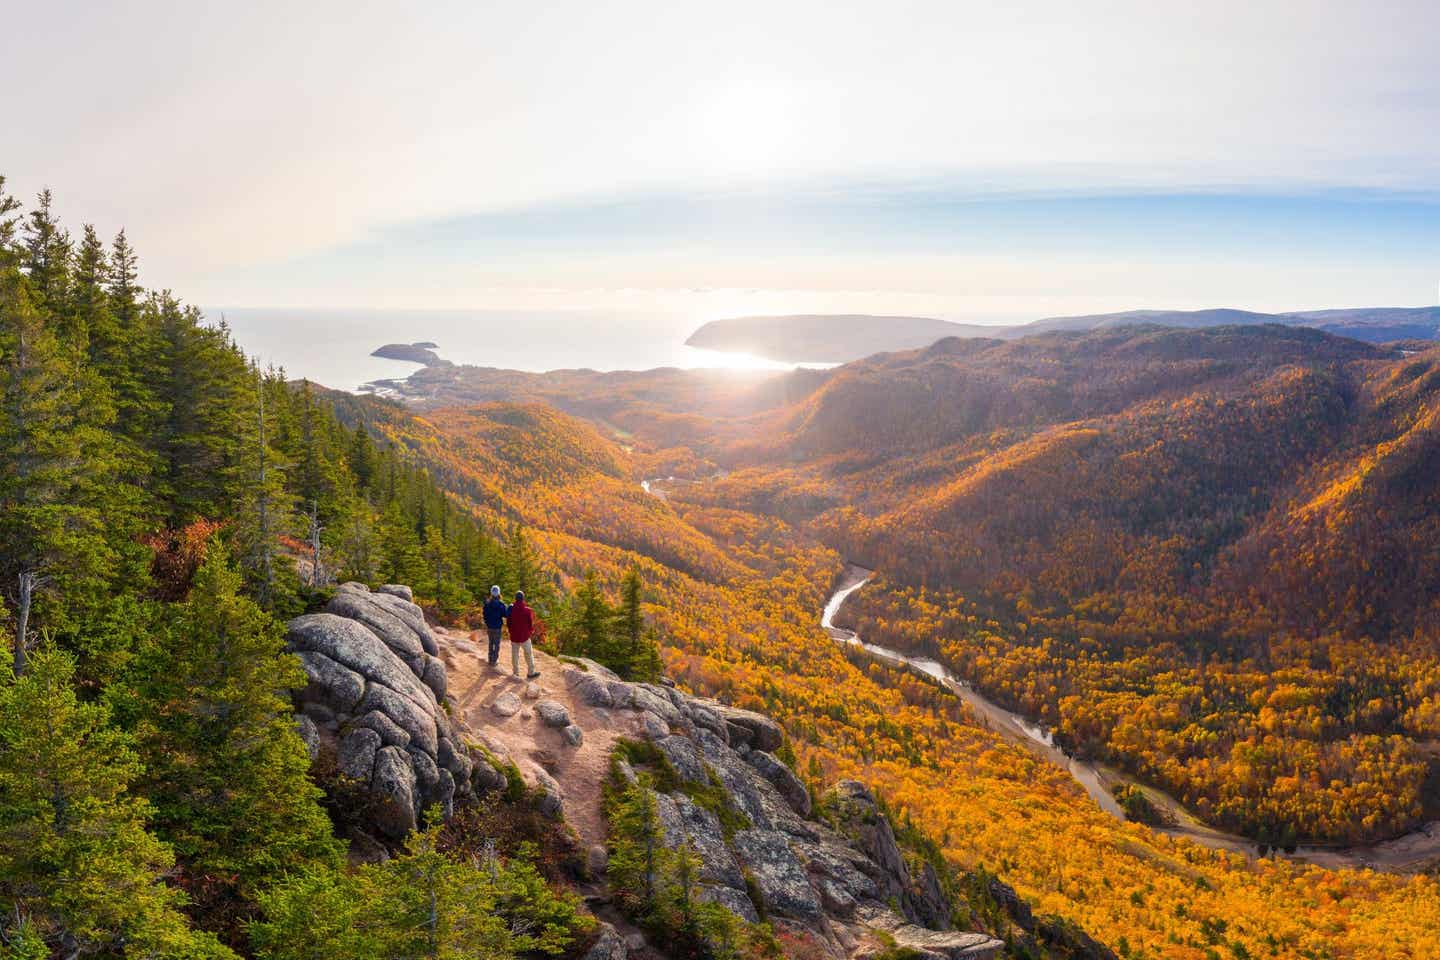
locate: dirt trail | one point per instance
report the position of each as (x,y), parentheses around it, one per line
(580,771)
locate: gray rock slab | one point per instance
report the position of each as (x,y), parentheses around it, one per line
(778,872)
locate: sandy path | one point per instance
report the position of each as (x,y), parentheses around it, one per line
(523,737)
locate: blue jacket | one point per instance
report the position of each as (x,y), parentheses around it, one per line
(495,613)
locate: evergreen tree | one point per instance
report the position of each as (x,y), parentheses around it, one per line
(125,346)
(9,222)
(589,628)
(47,257)
(353,544)
(635,843)
(640,652)
(266,508)
(426,903)
(124,286)
(362,457)
(523,569)
(225,767)
(210,407)
(402,560)
(78,870)
(87,314)
(53,454)
(442,562)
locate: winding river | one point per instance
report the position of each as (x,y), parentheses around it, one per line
(1411,852)
(1417,850)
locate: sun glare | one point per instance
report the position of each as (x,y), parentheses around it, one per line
(745,126)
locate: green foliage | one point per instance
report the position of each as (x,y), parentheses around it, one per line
(127,414)
(54,453)
(424,903)
(78,869)
(615,637)
(658,884)
(1138,806)
(224,765)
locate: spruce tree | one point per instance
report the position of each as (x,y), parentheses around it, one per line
(124,288)
(54,455)
(442,564)
(78,869)
(9,223)
(640,653)
(124,345)
(589,630)
(209,406)
(524,570)
(635,843)
(225,767)
(402,560)
(266,507)
(87,314)
(362,457)
(47,256)
(353,543)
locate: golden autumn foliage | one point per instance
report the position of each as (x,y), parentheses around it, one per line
(738,569)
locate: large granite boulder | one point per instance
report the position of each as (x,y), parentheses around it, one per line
(749,728)
(375,692)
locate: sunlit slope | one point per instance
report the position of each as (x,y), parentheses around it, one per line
(533,465)
(911,403)
(1260,471)
(753,638)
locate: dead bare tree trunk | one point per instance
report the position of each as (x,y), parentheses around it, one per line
(317,572)
(28,580)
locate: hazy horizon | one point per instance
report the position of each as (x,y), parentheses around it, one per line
(971,163)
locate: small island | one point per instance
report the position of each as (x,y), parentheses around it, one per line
(422,353)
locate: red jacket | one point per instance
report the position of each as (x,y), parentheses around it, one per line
(522,624)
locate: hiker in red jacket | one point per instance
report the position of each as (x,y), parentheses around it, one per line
(522,623)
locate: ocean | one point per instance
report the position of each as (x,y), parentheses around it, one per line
(332,347)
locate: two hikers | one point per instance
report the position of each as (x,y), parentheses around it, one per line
(521,620)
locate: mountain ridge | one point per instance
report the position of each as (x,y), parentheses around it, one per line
(825,338)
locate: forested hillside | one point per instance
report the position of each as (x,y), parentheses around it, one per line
(164,505)
(753,640)
(1207,555)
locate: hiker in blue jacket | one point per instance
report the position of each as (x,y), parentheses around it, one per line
(496,610)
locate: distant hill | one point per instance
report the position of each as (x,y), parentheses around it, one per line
(1371,324)
(839,338)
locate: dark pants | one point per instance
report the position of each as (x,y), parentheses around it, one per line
(494,633)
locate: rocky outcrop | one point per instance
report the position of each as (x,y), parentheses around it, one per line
(938,944)
(845,882)
(374,698)
(375,703)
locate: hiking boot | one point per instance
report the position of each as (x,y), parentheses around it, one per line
(533,675)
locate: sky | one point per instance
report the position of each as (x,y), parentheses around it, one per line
(969,160)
